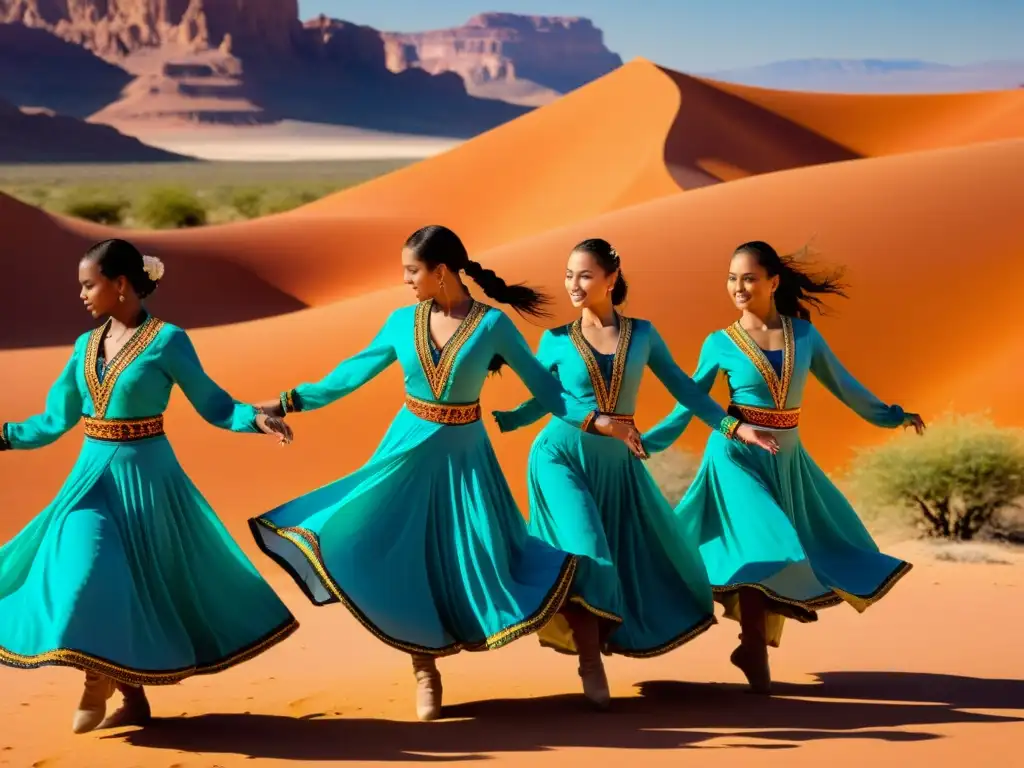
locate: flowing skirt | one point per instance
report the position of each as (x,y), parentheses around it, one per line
(129,573)
(777,524)
(638,571)
(424,544)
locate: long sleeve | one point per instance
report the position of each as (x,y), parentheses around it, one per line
(667,431)
(531,410)
(548,391)
(63,410)
(833,375)
(346,378)
(210,401)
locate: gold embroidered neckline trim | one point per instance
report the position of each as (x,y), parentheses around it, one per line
(778,386)
(437,375)
(607,395)
(100,391)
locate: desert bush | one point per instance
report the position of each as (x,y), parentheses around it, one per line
(954,481)
(100,207)
(248,202)
(172,208)
(290,200)
(673,470)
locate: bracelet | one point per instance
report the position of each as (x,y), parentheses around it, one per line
(729,426)
(288,404)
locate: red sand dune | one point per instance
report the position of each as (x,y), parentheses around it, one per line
(929,235)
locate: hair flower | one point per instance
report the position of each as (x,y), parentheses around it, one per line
(154,268)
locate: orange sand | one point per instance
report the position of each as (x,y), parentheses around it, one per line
(925,216)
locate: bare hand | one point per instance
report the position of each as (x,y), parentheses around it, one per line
(751,436)
(274,425)
(914,420)
(630,435)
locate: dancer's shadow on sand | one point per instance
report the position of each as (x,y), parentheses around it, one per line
(667,715)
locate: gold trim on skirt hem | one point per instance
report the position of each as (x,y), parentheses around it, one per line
(308,544)
(67,657)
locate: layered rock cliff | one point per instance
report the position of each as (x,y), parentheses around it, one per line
(504,53)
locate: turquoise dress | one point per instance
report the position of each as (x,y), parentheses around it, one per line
(128,572)
(425,544)
(591,496)
(777,523)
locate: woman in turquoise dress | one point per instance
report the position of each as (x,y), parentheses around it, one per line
(425,544)
(778,538)
(128,575)
(641,589)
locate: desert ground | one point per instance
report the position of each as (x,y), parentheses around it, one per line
(917,196)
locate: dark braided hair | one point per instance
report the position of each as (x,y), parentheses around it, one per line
(608,259)
(797,286)
(435,244)
(119,258)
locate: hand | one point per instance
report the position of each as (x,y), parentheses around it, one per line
(274,425)
(630,435)
(747,434)
(914,420)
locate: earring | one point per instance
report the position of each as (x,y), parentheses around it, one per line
(121,298)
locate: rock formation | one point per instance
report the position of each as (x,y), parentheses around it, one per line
(508,55)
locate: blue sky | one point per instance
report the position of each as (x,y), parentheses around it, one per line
(705,35)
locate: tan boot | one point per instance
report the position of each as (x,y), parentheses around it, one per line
(586,633)
(428,687)
(134,711)
(93,705)
(751,656)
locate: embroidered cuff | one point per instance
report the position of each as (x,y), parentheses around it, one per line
(588,423)
(729,426)
(290,402)
(5,444)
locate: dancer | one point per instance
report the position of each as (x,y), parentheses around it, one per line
(641,589)
(128,575)
(778,538)
(425,544)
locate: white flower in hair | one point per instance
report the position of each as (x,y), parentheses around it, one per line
(154,268)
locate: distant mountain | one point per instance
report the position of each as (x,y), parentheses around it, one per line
(877,76)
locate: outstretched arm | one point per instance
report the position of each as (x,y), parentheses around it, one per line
(529,411)
(346,378)
(63,410)
(668,430)
(690,395)
(827,369)
(211,402)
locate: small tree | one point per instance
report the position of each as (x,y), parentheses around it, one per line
(172,208)
(954,480)
(673,470)
(100,207)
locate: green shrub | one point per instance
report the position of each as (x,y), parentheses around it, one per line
(100,207)
(248,202)
(954,481)
(289,201)
(172,208)
(673,470)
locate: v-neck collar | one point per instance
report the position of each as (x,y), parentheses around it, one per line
(777,385)
(437,374)
(607,394)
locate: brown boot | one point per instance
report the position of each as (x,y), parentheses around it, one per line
(751,656)
(134,711)
(428,687)
(93,705)
(586,633)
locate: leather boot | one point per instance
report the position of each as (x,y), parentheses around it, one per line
(134,711)
(428,687)
(93,705)
(586,633)
(751,655)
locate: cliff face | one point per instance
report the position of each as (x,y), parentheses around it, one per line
(556,53)
(116,28)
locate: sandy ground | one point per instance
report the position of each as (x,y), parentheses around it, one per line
(917,196)
(932,675)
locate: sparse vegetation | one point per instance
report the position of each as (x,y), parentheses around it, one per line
(101,207)
(172,208)
(673,470)
(124,194)
(955,482)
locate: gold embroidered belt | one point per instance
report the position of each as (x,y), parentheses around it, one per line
(624,418)
(124,430)
(769,418)
(452,414)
